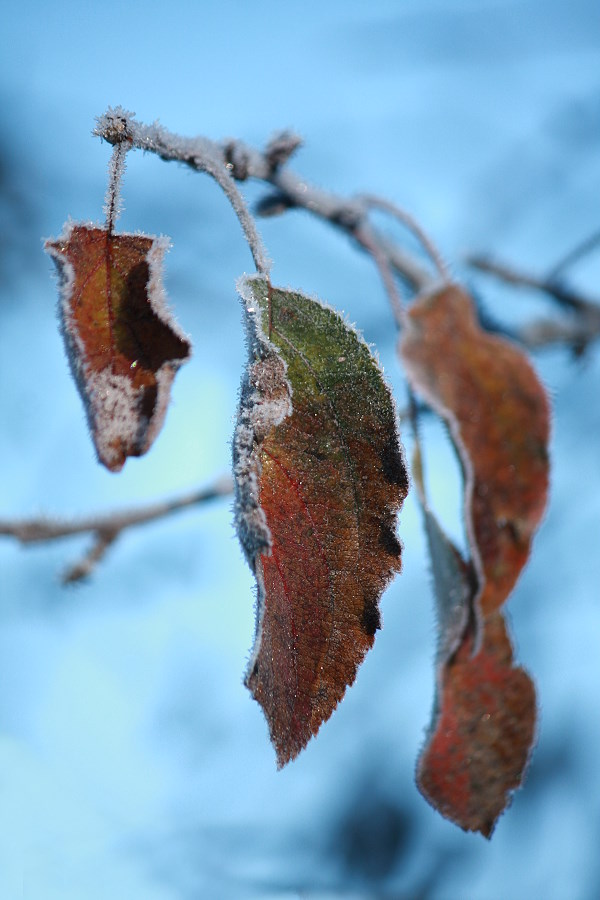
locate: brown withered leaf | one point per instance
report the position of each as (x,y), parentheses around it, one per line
(123,344)
(498,416)
(319,478)
(482,733)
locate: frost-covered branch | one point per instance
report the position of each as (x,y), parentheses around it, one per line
(239,161)
(235,160)
(117,126)
(106,528)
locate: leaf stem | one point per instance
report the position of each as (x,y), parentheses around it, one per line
(381,260)
(373,201)
(113,205)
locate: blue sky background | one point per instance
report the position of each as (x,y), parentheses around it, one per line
(133,763)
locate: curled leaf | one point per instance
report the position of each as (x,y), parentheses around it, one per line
(482,734)
(123,344)
(453,586)
(483,722)
(319,479)
(498,416)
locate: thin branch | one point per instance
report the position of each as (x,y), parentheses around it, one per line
(118,126)
(373,201)
(577,334)
(31,531)
(84,567)
(344,214)
(232,161)
(239,161)
(563,295)
(578,252)
(417,459)
(577,331)
(107,528)
(380,258)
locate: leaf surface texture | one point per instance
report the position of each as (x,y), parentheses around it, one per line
(320,478)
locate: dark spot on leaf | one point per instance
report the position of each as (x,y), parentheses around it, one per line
(392,464)
(324,498)
(389,541)
(371,617)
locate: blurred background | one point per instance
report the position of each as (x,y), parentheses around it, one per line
(133,763)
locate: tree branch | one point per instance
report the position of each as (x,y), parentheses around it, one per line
(106,528)
(578,252)
(240,161)
(580,329)
(372,201)
(117,126)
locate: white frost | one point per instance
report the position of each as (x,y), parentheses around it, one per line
(265,401)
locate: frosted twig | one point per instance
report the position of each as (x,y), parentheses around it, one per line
(417,459)
(108,527)
(198,153)
(577,333)
(373,201)
(232,161)
(113,204)
(84,567)
(239,161)
(381,260)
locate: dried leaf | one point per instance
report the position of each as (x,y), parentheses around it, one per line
(320,477)
(498,416)
(123,345)
(482,734)
(483,723)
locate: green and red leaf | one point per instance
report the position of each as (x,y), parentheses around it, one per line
(320,478)
(123,344)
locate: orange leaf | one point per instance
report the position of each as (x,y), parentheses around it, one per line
(498,416)
(320,478)
(123,344)
(483,731)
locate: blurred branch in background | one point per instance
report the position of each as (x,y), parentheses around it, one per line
(107,528)
(582,325)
